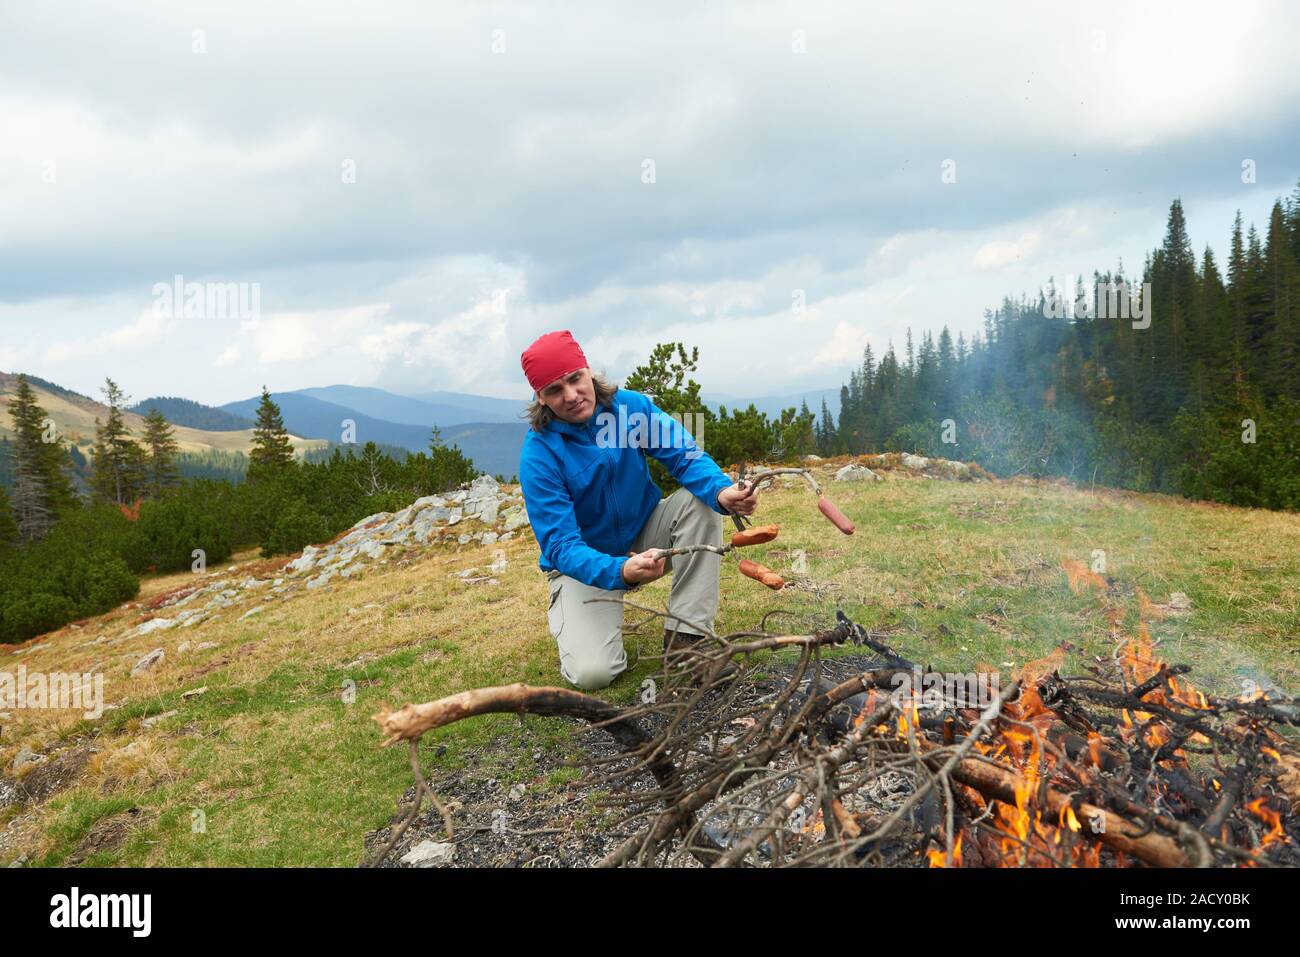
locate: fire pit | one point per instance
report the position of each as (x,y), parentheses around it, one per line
(870,759)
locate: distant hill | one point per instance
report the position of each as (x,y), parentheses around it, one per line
(436,408)
(193,414)
(772,405)
(74,416)
(494,446)
(506,409)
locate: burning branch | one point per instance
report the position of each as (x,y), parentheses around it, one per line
(827,763)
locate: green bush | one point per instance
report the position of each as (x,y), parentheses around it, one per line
(46,585)
(169,530)
(297,527)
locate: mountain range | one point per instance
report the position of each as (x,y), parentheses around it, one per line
(489,430)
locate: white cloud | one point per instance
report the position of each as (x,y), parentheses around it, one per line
(469,232)
(999,253)
(147,332)
(303,336)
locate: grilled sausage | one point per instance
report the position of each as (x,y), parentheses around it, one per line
(761,573)
(758,535)
(838,518)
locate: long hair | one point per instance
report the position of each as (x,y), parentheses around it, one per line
(540,416)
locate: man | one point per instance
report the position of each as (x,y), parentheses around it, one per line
(591,503)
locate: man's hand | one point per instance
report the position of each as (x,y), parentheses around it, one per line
(644,568)
(738,500)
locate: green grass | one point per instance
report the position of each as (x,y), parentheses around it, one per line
(284,771)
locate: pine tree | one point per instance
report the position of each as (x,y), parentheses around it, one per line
(1280,290)
(30,501)
(117,475)
(39,449)
(272,454)
(8,525)
(826,432)
(160,439)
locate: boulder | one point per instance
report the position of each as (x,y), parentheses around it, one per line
(322,579)
(856,473)
(148,662)
(154,624)
(430,854)
(25,757)
(305,561)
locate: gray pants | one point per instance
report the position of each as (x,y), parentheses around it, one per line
(590,635)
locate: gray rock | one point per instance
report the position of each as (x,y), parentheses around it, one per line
(153,624)
(430,854)
(917,463)
(320,580)
(515,516)
(151,721)
(148,662)
(25,757)
(306,561)
(372,518)
(856,473)
(372,550)
(254,611)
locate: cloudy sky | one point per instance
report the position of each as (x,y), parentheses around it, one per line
(417,191)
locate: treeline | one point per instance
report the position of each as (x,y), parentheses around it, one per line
(1182,379)
(65,556)
(1194,390)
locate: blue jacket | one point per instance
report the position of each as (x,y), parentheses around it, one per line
(588,497)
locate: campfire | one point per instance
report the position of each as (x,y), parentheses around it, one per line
(869,759)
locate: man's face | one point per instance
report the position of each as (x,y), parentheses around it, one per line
(572,397)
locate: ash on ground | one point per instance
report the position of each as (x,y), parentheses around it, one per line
(545,822)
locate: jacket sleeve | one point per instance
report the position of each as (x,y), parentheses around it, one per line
(688,463)
(550,512)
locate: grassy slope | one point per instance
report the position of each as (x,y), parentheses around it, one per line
(75,419)
(288,774)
